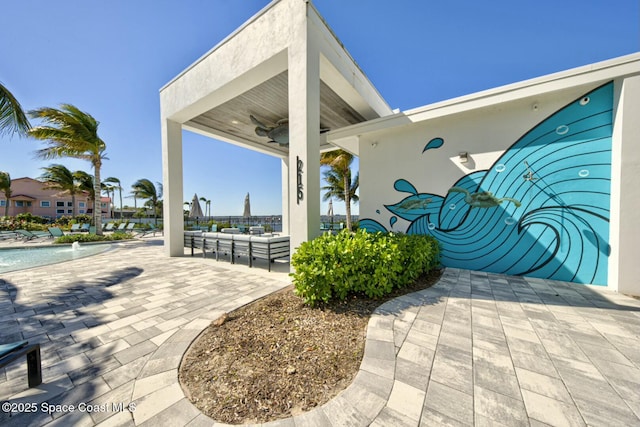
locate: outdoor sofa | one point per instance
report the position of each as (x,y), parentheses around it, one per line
(235,245)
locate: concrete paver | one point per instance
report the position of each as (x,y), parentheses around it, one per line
(475,349)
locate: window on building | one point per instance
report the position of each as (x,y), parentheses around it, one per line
(3,203)
(70,204)
(19,204)
(70,211)
(60,204)
(104,205)
(45,204)
(60,211)
(82,204)
(81,211)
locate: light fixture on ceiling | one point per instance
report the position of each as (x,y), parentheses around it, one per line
(463,157)
(374,144)
(235,122)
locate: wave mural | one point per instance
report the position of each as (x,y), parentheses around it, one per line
(541,210)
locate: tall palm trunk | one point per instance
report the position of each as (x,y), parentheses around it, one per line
(347,198)
(97,205)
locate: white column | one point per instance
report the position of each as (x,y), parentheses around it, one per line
(285,196)
(304,130)
(624,269)
(172,186)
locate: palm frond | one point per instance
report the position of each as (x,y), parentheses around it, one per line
(12,117)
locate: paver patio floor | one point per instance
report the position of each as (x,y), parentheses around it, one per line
(475,349)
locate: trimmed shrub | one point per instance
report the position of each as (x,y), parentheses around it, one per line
(70,238)
(373,264)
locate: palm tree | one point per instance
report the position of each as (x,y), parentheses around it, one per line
(144,189)
(117,186)
(208,208)
(5,187)
(204,200)
(338,178)
(12,118)
(85,183)
(72,133)
(58,177)
(110,190)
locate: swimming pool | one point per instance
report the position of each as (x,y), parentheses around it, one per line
(21,258)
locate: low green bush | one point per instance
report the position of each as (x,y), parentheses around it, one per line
(70,238)
(373,264)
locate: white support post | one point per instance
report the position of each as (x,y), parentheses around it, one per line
(172,186)
(286,196)
(304,130)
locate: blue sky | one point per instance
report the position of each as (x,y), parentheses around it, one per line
(111,58)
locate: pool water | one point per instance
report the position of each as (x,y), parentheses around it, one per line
(21,258)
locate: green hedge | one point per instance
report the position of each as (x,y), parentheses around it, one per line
(70,238)
(334,266)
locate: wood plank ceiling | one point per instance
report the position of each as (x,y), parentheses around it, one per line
(269,102)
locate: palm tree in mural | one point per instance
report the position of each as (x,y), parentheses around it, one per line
(5,187)
(338,178)
(117,186)
(58,177)
(85,184)
(144,189)
(12,117)
(69,132)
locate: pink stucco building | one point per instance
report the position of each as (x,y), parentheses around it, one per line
(29,195)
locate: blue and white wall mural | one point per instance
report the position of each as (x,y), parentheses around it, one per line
(541,210)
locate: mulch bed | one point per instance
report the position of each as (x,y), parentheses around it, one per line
(276,358)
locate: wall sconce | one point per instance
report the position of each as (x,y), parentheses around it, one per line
(463,157)
(374,144)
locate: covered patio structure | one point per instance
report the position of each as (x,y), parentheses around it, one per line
(284,63)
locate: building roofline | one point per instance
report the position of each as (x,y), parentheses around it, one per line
(583,75)
(221,43)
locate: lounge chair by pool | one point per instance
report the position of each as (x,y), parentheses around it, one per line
(151,229)
(56,232)
(121,227)
(13,351)
(30,235)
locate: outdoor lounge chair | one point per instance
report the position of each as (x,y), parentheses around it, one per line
(121,228)
(141,232)
(30,235)
(84,228)
(4,235)
(109,227)
(130,227)
(75,228)
(13,351)
(56,232)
